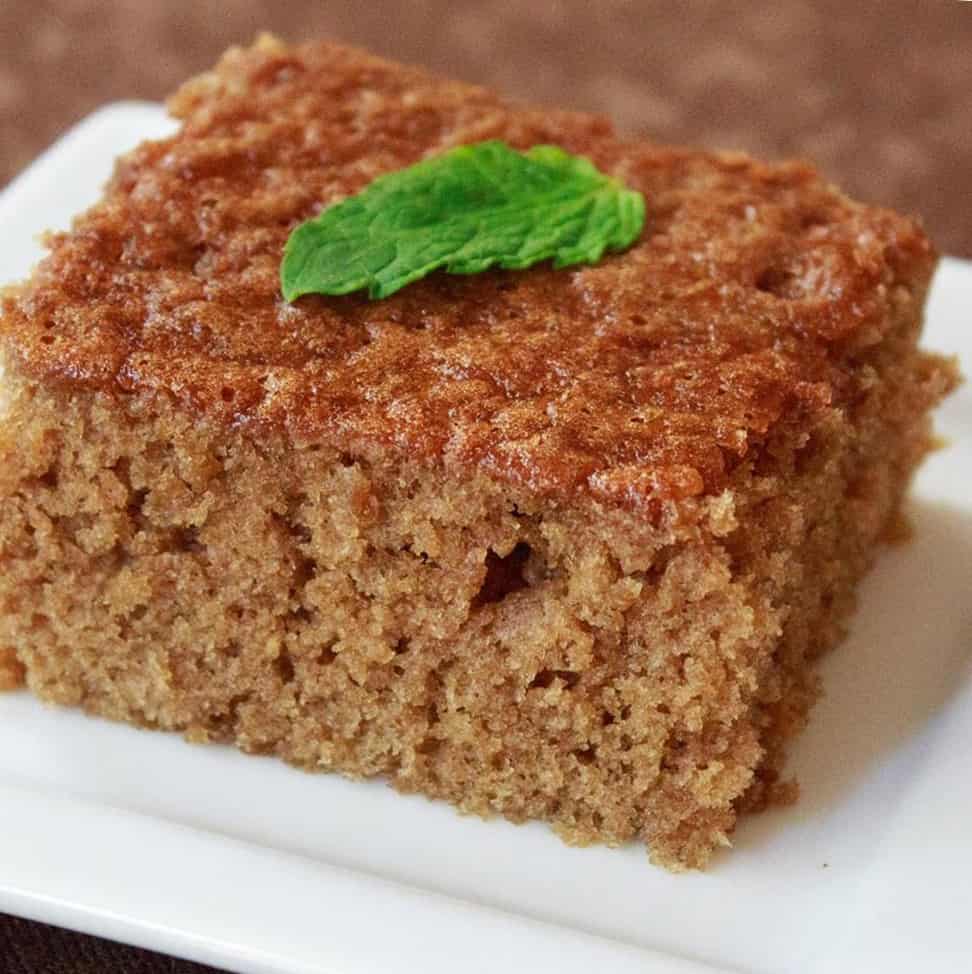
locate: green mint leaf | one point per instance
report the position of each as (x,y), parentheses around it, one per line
(474,207)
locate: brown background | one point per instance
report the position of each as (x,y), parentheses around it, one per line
(878,93)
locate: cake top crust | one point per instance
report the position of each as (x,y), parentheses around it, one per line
(746,303)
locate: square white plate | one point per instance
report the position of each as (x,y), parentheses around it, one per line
(245,863)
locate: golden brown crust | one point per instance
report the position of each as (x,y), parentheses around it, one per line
(649,376)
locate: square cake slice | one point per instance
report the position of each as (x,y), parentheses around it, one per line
(554,544)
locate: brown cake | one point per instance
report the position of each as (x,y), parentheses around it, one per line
(562,545)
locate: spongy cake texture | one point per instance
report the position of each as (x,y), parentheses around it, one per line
(559,545)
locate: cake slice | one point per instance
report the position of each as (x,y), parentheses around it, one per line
(559,545)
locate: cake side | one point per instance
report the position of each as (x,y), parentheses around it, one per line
(467,643)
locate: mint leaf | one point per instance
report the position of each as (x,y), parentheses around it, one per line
(474,207)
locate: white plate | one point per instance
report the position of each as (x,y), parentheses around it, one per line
(245,863)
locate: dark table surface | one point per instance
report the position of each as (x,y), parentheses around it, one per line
(880,95)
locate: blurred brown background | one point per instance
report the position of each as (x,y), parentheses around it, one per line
(878,94)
